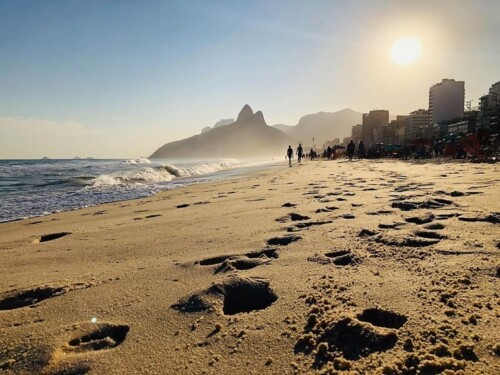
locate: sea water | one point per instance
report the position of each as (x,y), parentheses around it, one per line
(30,188)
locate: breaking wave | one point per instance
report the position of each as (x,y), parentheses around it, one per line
(138,161)
(159,174)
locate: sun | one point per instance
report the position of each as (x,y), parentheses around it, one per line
(406,50)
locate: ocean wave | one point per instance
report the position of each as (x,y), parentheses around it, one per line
(202,168)
(143,176)
(159,174)
(138,161)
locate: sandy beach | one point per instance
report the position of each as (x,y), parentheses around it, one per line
(369,267)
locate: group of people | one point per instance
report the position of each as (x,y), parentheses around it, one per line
(475,145)
(329,153)
(351,149)
(299,153)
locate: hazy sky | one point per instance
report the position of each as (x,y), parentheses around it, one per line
(121,78)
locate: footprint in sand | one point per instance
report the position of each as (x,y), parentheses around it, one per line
(283,241)
(334,193)
(226,263)
(326,209)
(234,295)
(432,203)
(422,219)
(343,258)
(324,200)
(30,297)
(347,216)
(367,233)
(391,225)
(312,192)
(493,218)
(50,237)
(382,318)
(91,337)
(430,234)
(434,226)
(292,217)
(347,336)
(338,257)
(183,205)
(152,216)
(379,212)
(406,242)
(301,226)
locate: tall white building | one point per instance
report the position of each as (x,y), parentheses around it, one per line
(446,101)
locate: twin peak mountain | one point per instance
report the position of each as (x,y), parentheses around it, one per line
(247,137)
(250,137)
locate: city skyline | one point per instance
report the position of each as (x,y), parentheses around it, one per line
(119,80)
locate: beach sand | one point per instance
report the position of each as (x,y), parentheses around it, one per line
(367,267)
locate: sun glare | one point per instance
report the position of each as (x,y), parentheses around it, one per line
(406,50)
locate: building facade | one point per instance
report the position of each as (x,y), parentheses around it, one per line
(374,121)
(446,101)
(357,133)
(395,131)
(488,117)
(416,125)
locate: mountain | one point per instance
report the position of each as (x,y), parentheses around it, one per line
(223,122)
(323,126)
(218,124)
(283,128)
(248,136)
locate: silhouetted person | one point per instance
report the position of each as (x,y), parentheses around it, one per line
(351,147)
(300,152)
(312,154)
(289,154)
(361,150)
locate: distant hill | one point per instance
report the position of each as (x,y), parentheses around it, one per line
(249,136)
(284,128)
(220,123)
(323,126)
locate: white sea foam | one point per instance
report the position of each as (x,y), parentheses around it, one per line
(138,161)
(204,168)
(159,174)
(34,187)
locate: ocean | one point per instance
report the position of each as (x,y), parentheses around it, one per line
(30,188)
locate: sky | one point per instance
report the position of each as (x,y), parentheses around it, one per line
(118,79)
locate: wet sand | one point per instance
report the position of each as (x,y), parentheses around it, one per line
(367,267)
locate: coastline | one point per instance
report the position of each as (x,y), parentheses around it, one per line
(175,178)
(380,238)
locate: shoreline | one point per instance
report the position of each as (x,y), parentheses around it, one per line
(229,173)
(267,166)
(409,257)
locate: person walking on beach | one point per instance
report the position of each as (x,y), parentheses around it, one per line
(351,147)
(361,150)
(300,152)
(289,154)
